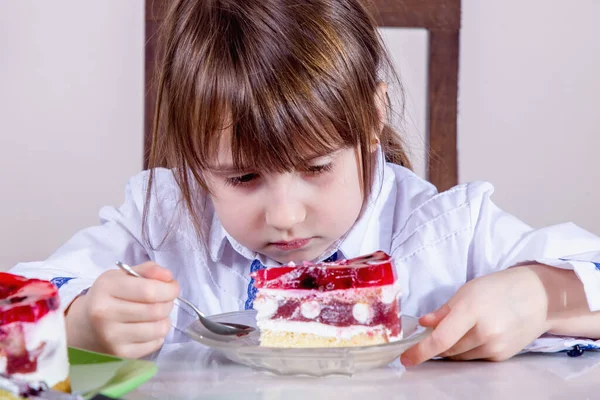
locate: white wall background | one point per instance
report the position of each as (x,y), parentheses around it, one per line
(529,110)
(71,103)
(71,111)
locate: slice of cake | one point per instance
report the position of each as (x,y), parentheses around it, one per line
(33,345)
(348,303)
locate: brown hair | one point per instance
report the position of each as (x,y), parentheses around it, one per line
(288,79)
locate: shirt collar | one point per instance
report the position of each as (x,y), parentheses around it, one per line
(371,232)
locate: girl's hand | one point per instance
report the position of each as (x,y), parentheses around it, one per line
(124,315)
(491,317)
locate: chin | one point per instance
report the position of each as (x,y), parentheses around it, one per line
(297,256)
(282,258)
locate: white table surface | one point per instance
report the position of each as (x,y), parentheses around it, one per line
(192,371)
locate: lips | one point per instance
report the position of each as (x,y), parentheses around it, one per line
(292,244)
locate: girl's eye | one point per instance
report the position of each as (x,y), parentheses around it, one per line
(319,169)
(241,180)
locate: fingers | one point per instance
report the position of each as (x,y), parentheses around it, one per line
(126,311)
(145,290)
(475,353)
(142,332)
(448,332)
(109,310)
(126,315)
(137,350)
(484,352)
(152,270)
(135,340)
(142,290)
(434,318)
(469,342)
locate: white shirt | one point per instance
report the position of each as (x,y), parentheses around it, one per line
(438,242)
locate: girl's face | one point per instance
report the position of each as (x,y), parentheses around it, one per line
(292,216)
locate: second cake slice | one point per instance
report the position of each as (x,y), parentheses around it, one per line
(349,303)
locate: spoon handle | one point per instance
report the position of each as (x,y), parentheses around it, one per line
(192,306)
(130,271)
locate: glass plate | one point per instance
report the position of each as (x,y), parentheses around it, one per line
(306,361)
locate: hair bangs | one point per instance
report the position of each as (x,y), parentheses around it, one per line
(271,121)
(274,134)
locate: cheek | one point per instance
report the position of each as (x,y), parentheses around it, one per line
(350,184)
(238,218)
(223,196)
(233,208)
(341,197)
(350,201)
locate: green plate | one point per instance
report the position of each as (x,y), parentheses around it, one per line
(94,373)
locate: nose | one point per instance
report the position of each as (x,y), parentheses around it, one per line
(285,208)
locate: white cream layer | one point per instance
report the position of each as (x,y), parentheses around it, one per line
(53,362)
(319,329)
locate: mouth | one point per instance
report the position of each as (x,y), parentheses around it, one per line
(295,244)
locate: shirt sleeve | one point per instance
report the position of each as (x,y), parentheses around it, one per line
(500,241)
(74,266)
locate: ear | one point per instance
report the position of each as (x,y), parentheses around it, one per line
(381,103)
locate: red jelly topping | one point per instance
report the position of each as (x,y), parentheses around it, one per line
(25,300)
(368,271)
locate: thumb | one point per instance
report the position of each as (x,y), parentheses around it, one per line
(434,318)
(152,270)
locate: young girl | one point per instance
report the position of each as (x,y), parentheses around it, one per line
(271,145)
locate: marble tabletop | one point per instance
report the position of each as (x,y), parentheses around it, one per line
(191,371)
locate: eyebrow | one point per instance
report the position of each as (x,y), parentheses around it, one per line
(225,169)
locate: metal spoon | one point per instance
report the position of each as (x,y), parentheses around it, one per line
(220,328)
